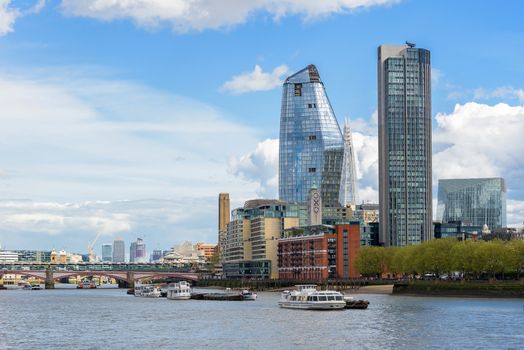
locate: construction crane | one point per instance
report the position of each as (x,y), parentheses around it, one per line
(90,251)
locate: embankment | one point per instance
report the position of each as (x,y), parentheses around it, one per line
(461,289)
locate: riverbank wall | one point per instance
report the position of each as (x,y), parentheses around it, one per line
(461,289)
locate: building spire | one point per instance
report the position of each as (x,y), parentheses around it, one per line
(348,183)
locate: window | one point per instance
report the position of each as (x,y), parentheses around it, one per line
(312,137)
(312,170)
(298,89)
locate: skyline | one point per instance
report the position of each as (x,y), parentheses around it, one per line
(145,125)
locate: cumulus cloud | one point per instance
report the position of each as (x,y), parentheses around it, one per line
(257,80)
(259,166)
(479,140)
(188,15)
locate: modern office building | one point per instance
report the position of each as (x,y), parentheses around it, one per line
(311,148)
(472,201)
(250,249)
(137,251)
(107,252)
(119,251)
(223,220)
(404,127)
(156,256)
(316,253)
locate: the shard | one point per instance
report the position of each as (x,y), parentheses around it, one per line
(348,182)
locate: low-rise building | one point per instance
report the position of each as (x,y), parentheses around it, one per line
(316,253)
(250,249)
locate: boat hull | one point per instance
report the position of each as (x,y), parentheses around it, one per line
(335,305)
(179,297)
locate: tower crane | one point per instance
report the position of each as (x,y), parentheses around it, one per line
(90,251)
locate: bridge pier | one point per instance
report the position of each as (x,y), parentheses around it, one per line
(130,279)
(49,282)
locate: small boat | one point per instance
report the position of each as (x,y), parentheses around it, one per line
(248,295)
(352,303)
(147,291)
(179,291)
(86,284)
(309,298)
(36,287)
(27,287)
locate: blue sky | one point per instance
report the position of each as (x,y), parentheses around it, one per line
(130,116)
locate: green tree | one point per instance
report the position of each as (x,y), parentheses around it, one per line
(372,261)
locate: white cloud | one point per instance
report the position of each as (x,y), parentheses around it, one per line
(504,92)
(479,140)
(259,166)
(256,80)
(187,15)
(8,16)
(515,212)
(74,139)
(160,222)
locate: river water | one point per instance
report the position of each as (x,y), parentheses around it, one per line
(111,319)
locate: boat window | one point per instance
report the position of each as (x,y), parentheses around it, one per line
(331,297)
(322,298)
(338,297)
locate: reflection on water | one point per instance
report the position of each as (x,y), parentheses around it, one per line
(110,319)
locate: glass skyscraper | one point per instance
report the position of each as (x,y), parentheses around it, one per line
(472,201)
(119,250)
(404,118)
(311,143)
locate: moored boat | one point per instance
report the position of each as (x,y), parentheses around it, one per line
(179,291)
(147,291)
(248,295)
(86,284)
(352,303)
(307,297)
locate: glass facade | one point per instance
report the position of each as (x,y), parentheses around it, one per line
(404,145)
(472,201)
(311,143)
(348,185)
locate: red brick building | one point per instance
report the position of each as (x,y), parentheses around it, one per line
(316,253)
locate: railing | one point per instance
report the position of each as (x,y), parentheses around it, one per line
(17,266)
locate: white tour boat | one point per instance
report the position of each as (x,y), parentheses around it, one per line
(179,291)
(147,291)
(308,297)
(248,295)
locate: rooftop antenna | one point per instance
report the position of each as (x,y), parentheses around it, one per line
(411,45)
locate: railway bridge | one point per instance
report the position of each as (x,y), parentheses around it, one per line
(125,274)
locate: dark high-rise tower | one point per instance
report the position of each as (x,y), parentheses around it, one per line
(311,144)
(404,126)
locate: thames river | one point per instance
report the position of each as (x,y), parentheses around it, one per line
(111,319)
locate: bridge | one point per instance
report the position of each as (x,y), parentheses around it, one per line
(125,273)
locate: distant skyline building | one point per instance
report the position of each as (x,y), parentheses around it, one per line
(476,202)
(119,250)
(107,252)
(156,255)
(311,147)
(137,251)
(404,127)
(348,183)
